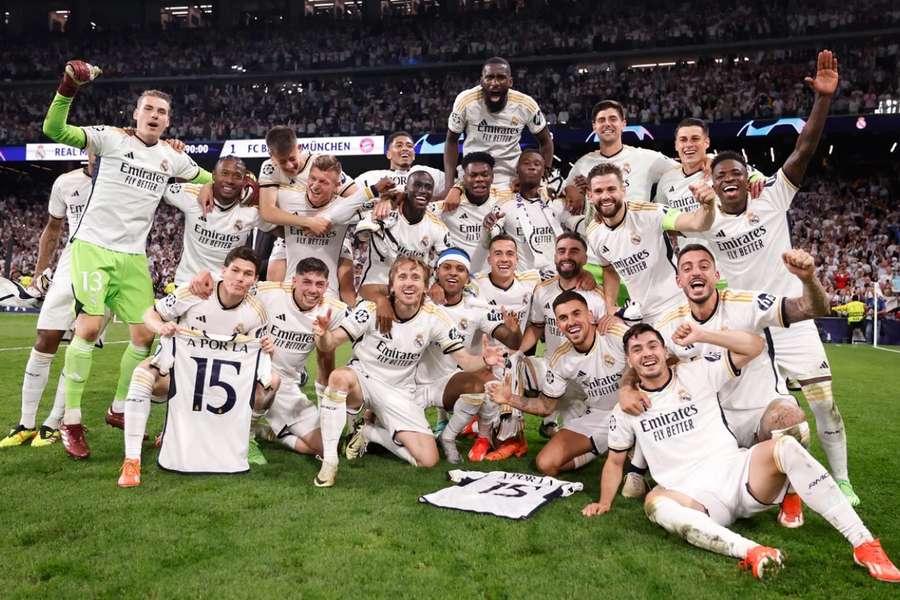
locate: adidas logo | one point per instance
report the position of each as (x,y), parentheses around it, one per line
(672,189)
(493,303)
(464,216)
(281,317)
(720,234)
(604,250)
(824,364)
(546,306)
(202,318)
(76,194)
(581,374)
(130,155)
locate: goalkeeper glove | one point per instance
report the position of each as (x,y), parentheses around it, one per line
(77,73)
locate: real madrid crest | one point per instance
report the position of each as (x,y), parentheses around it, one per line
(420,340)
(752,218)
(683,395)
(608,360)
(635,239)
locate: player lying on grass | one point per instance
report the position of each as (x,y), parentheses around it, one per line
(751,404)
(592,359)
(293,309)
(439,381)
(68,198)
(109,264)
(381,371)
(228,311)
(705,481)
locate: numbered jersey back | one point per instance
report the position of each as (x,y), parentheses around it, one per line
(498,493)
(213,381)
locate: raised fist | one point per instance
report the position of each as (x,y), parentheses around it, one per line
(77,73)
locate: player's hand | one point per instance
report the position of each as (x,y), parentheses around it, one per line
(606,322)
(384,184)
(382,208)
(250,195)
(499,392)
(205,198)
(581,183)
(320,324)
(317,225)
(826,80)
(492,218)
(491,355)
(176,145)
(394,196)
(595,509)
(703,194)
(202,284)
(510,319)
(687,333)
(40,284)
(452,199)
(265,342)
(800,263)
(585,281)
(76,74)
(168,329)
(437,295)
(384,315)
(633,401)
(757,185)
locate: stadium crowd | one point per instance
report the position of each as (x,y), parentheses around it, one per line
(754,85)
(566,27)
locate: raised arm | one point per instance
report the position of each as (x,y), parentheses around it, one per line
(326,339)
(451,158)
(545,146)
(56,127)
(611,284)
(509,332)
(742,345)
(699,220)
(501,393)
(824,85)
(815,301)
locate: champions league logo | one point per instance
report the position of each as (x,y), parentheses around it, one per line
(268,169)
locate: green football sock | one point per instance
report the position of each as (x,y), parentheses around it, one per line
(131,358)
(79,356)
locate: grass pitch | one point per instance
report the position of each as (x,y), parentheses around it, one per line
(68,531)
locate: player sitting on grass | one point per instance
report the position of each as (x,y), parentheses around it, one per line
(591,359)
(438,379)
(381,371)
(228,311)
(705,482)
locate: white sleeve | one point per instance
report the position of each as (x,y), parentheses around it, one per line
(278,251)
(457,120)
(176,196)
(621,431)
(554,384)
(338,313)
(360,320)
(574,172)
(56,207)
(537,123)
(185,167)
(100,138)
(779,190)
(177,303)
(660,166)
(716,368)
(767,311)
(445,334)
(344,210)
(536,312)
(269,174)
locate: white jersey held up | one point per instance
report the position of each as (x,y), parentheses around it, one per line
(535,224)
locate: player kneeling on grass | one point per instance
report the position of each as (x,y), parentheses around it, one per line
(705,482)
(592,357)
(438,378)
(382,369)
(229,313)
(292,310)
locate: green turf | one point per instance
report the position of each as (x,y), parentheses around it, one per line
(69,532)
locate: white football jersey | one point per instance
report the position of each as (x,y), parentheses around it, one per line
(597,371)
(271,175)
(393,358)
(210,406)
(641,168)
(748,246)
(210,315)
(736,310)
(674,189)
(472,317)
(497,133)
(641,254)
(300,244)
(69,196)
(498,493)
(130,180)
(395,237)
(541,312)
(534,224)
(291,328)
(370,178)
(465,228)
(209,238)
(683,426)
(516,298)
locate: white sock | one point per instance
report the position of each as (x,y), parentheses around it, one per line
(71,416)
(442,415)
(37,372)
(582,459)
(697,529)
(638,462)
(137,410)
(829,426)
(817,489)
(381,436)
(466,407)
(487,416)
(332,418)
(118,406)
(59,403)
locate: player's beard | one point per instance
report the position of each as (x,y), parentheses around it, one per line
(568,273)
(495,106)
